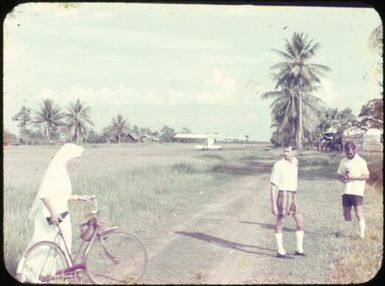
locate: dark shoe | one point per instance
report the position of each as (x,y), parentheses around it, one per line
(284,256)
(299,253)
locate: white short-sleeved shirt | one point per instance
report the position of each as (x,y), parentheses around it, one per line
(356,167)
(285,175)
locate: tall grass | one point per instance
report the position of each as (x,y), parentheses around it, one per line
(138,187)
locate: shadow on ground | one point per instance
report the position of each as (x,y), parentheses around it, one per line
(268,225)
(251,168)
(318,173)
(227,243)
(272,226)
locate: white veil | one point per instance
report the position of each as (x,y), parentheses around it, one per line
(56,175)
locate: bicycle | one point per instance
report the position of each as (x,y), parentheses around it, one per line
(107,255)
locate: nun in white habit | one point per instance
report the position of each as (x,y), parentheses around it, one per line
(52,200)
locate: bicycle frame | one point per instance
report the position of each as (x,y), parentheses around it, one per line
(82,252)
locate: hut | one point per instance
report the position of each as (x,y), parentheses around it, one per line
(372,140)
(129,138)
(145,138)
(365,139)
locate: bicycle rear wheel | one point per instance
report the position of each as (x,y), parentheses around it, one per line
(116,258)
(43,262)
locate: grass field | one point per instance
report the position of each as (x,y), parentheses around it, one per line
(144,187)
(351,260)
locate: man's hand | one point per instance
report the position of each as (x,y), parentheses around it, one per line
(344,179)
(292,209)
(274,209)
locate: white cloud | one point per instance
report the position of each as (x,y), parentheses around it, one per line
(179,96)
(219,89)
(328,93)
(224,82)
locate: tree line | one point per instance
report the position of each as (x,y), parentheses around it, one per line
(50,125)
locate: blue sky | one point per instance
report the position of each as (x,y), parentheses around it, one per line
(199,66)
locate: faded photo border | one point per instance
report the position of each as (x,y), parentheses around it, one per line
(176,105)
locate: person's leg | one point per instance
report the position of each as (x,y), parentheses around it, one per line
(360,216)
(278,234)
(348,213)
(347,206)
(299,232)
(279,223)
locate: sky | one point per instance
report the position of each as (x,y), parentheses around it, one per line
(198,66)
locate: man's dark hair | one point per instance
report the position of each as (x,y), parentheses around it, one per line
(290,143)
(350,145)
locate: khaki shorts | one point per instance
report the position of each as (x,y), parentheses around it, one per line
(286,203)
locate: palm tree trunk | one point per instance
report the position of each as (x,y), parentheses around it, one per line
(48,135)
(46,132)
(76,137)
(299,139)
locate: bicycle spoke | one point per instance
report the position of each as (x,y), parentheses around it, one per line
(116,258)
(41,261)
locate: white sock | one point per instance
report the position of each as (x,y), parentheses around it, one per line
(299,238)
(278,239)
(362,228)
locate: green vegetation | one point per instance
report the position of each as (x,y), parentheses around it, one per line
(146,188)
(296,112)
(48,118)
(154,182)
(351,260)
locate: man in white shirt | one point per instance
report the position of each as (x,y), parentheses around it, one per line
(283,190)
(353,172)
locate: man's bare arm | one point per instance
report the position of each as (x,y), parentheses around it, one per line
(361,178)
(273,196)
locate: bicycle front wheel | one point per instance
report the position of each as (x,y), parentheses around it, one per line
(116,258)
(43,262)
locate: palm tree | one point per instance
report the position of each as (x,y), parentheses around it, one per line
(375,39)
(296,79)
(77,120)
(375,45)
(48,117)
(284,111)
(119,126)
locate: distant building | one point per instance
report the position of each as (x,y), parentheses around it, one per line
(129,138)
(209,139)
(365,139)
(371,122)
(145,138)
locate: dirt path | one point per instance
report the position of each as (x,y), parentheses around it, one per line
(230,242)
